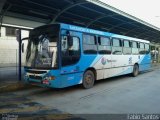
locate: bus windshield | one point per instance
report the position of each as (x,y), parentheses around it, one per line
(42,48)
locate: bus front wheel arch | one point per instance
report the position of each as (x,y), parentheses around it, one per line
(88,79)
(135,70)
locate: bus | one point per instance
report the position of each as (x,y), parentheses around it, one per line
(61,55)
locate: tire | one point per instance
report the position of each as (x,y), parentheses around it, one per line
(135,70)
(88,79)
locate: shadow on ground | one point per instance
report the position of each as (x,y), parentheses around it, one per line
(12,106)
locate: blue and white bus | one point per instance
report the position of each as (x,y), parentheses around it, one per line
(62,55)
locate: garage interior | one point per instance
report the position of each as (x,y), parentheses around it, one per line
(23,15)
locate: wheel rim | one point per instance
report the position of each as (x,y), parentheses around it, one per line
(88,79)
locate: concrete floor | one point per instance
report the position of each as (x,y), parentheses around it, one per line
(117,95)
(9,74)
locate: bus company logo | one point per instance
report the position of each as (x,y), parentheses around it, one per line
(103,61)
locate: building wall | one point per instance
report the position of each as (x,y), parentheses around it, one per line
(9,48)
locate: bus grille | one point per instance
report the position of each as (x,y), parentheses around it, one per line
(35,77)
(36,72)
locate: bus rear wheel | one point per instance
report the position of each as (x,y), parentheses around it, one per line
(135,70)
(88,79)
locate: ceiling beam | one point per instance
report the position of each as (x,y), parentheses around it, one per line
(25,17)
(67,8)
(132,30)
(98,18)
(120,24)
(40,5)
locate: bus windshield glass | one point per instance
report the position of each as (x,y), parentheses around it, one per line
(42,47)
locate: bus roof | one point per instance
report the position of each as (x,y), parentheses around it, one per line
(97,32)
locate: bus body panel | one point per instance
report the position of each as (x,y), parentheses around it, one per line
(105,65)
(145,62)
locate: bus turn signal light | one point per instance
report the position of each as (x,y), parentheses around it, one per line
(51,78)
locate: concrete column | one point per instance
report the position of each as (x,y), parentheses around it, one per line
(158,54)
(19,54)
(3,31)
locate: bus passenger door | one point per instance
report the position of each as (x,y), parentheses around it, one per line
(70,56)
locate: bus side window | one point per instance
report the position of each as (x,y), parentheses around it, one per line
(135,48)
(126,47)
(89,44)
(70,54)
(117,46)
(141,48)
(147,48)
(64,44)
(104,45)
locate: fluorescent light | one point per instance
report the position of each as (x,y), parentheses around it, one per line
(38,13)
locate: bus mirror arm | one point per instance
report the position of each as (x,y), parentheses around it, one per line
(26,38)
(22,47)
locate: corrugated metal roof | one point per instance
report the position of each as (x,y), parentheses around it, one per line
(87,13)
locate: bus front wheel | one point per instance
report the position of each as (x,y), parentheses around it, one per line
(88,79)
(135,70)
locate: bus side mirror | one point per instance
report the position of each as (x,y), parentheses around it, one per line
(70,40)
(26,38)
(22,47)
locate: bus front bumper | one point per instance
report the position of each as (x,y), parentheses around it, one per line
(42,82)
